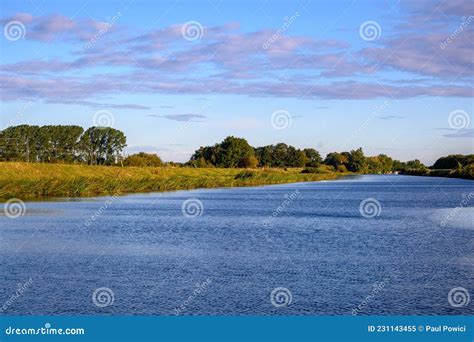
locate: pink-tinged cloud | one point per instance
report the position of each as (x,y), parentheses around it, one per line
(56,27)
(260,63)
(72,89)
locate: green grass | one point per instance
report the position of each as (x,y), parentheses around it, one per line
(30,181)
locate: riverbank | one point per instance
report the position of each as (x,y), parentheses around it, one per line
(32,181)
(465,173)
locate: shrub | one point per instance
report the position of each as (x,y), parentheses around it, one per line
(341,168)
(249,162)
(244,174)
(310,170)
(143,159)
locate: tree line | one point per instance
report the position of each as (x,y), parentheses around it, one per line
(104,146)
(237,152)
(68,144)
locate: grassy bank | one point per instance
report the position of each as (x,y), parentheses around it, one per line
(466,172)
(29,181)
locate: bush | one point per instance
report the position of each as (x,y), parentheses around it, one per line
(143,159)
(341,168)
(244,174)
(310,170)
(249,162)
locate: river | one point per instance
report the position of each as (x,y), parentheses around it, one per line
(366,245)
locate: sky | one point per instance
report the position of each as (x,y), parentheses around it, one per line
(390,76)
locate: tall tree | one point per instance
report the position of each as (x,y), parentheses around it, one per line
(314,158)
(102,145)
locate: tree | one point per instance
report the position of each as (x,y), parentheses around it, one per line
(58,143)
(314,158)
(297,158)
(357,161)
(143,159)
(452,161)
(280,152)
(265,155)
(250,162)
(102,145)
(415,164)
(231,152)
(379,164)
(18,143)
(335,159)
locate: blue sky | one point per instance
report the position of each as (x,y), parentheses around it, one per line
(392,77)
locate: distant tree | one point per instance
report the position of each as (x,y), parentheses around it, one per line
(452,161)
(250,162)
(357,161)
(386,163)
(233,151)
(18,143)
(265,155)
(59,143)
(314,158)
(280,153)
(397,165)
(335,159)
(102,145)
(415,164)
(143,159)
(379,164)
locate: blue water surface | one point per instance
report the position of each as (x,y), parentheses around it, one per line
(231,248)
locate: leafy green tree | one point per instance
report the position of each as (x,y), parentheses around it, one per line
(415,164)
(143,159)
(18,143)
(102,145)
(250,162)
(314,158)
(452,161)
(265,155)
(335,159)
(233,151)
(379,164)
(357,161)
(59,143)
(280,153)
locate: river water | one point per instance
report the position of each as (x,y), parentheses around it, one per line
(366,245)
